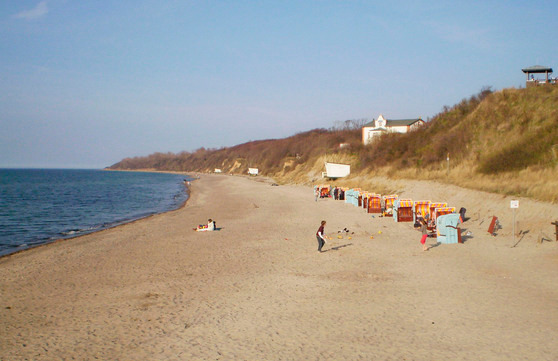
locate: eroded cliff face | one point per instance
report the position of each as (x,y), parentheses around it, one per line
(504,142)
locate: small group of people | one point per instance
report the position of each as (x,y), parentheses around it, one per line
(338,194)
(210,226)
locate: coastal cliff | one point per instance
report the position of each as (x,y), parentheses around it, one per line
(502,142)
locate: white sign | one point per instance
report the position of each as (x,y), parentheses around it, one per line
(253,171)
(334,170)
(514,204)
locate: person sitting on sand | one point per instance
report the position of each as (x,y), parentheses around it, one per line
(209,227)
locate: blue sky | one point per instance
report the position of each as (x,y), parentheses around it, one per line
(84,84)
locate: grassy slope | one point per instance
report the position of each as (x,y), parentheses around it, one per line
(504,142)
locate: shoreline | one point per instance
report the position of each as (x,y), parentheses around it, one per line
(115,223)
(258,288)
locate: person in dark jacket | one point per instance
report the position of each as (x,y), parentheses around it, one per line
(320,236)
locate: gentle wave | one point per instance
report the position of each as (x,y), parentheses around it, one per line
(40,206)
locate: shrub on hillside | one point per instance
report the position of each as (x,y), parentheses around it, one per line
(533,149)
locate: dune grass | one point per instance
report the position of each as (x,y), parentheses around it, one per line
(504,142)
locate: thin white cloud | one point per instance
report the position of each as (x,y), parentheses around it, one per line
(40,10)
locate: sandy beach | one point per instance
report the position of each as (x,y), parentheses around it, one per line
(257,289)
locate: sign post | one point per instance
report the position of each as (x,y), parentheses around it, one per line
(514,204)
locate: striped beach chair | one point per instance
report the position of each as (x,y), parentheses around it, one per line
(422,208)
(403,210)
(374,203)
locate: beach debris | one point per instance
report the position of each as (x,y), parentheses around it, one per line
(345,231)
(522,233)
(379,232)
(494,226)
(543,237)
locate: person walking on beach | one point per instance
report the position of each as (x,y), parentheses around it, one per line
(424,232)
(320,236)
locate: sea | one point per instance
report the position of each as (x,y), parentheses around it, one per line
(39,206)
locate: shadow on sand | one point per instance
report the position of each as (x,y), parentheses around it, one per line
(338,247)
(433,245)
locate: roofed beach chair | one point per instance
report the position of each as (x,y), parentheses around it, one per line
(403,210)
(422,208)
(388,204)
(374,203)
(447,230)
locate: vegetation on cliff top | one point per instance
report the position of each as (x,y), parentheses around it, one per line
(504,142)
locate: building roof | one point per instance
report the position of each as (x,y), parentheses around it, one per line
(537,69)
(401,122)
(393,122)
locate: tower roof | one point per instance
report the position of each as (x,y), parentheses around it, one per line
(537,69)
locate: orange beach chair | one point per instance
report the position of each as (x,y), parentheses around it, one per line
(388,204)
(405,211)
(374,203)
(422,208)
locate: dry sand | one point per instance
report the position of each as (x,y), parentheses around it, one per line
(257,289)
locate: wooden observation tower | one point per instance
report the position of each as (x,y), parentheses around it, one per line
(538,69)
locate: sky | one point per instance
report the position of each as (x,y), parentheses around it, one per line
(84,84)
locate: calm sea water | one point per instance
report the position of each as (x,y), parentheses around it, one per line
(38,206)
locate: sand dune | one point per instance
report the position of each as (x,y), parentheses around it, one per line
(257,289)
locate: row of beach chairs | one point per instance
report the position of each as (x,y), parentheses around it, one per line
(442,220)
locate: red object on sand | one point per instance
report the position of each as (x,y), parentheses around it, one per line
(492,225)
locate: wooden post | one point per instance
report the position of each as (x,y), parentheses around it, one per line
(556,224)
